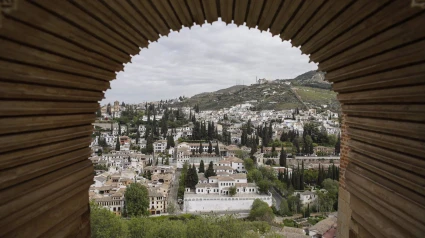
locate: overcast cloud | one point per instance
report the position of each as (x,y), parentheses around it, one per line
(205,59)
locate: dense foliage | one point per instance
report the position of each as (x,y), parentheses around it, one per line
(105,224)
(182,180)
(210,171)
(136,200)
(260,211)
(191,177)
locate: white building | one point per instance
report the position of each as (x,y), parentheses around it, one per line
(114,202)
(307,197)
(160,146)
(214,196)
(234,162)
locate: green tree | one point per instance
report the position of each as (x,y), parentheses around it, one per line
(294,203)
(249,164)
(104,223)
(282,158)
(149,145)
(118,144)
(307,213)
(268,173)
(264,186)
(136,200)
(192,177)
(201,167)
(284,209)
(254,175)
(232,191)
(338,146)
(210,148)
(217,149)
(260,211)
(210,171)
(182,180)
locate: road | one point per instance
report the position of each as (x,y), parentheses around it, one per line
(174,190)
(277,197)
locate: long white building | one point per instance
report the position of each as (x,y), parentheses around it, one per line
(213,194)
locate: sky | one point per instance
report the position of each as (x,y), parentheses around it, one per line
(205,59)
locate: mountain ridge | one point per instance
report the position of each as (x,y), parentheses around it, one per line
(308,90)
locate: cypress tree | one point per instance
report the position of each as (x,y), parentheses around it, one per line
(270,131)
(297,145)
(173,143)
(210,148)
(118,144)
(338,146)
(168,143)
(201,148)
(253,149)
(189,177)
(319,176)
(137,136)
(210,171)
(201,167)
(308,210)
(195,179)
(265,136)
(282,158)
(249,129)
(302,176)
(217,149)
(280,176)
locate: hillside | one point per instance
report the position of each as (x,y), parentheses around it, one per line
(311,79)
(306,90)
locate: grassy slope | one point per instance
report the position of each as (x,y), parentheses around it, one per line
(317,96)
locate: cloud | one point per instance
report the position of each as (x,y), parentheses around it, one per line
(205,59)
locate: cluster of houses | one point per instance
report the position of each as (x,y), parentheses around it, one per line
(121,168)
(232,118)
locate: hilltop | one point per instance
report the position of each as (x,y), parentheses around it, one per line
(306,90)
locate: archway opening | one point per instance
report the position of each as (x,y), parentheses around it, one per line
(58,57)
(220,71)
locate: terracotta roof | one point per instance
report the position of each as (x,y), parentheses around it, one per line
(324,225)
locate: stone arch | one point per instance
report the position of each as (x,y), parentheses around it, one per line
(57,58)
